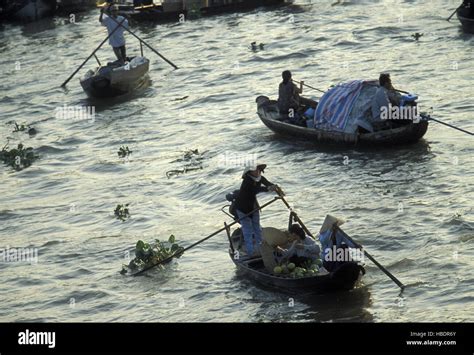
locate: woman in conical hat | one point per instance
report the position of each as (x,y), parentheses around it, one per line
(252,184)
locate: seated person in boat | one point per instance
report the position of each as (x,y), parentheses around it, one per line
(290,103)
(246,202)
(117,39)
(385,98)
(301,248)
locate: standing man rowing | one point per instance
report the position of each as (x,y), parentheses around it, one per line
(117,39)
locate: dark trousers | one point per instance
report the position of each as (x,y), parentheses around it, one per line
(120,53)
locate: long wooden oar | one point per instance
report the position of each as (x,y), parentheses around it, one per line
(204,239)
(402,91)
(92,54)
(386,272)
(449,18)
(297,218)
(429,118)
(308,86)
(146,44)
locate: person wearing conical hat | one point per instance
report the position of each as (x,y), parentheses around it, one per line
(253,183)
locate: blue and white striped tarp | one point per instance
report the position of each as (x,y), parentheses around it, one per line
(336,104)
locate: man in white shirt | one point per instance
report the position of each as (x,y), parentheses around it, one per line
(116,40)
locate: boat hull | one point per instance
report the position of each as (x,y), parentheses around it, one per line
(467,22)
(344,278)
(175,11)
(119,81)
(72,6)
(407,134)
(29,10)
(241,6)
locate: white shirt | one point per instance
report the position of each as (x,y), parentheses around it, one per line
(117,39)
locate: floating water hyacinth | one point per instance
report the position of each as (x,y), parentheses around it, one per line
(193,161)
(122,212)
(124,151)
(23,127)
(18,158)
(148,255)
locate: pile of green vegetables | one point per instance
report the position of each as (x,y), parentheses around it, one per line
(148,255)
(290,270)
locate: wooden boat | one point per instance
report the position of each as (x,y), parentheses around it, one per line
(465,17)
(239,5)
(73,6)
(26,10)
(115,79)
(410,132)
(342,279)
(179,10)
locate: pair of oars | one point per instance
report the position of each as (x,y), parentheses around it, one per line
(424,117)
(119,24)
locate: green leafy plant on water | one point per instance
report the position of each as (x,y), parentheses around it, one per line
(193,162)
(148,255)
(171,173)
(122,212)
(18,158)
(124,152)
(23,127)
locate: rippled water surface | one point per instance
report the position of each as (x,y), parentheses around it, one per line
(411,207)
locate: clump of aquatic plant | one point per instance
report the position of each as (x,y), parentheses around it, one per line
(122,212)
(176,172)
(124,152)
(255,47)
(192,159)
(18,158)
(192,154)
(23,127)
(148,255)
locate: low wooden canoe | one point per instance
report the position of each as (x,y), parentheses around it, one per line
(269,114)
(342,279)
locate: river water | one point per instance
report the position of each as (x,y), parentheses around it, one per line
(410,207)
